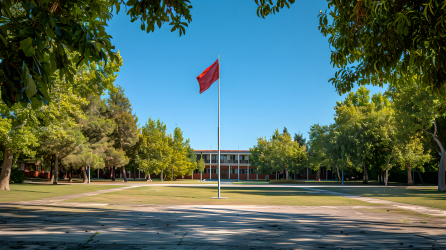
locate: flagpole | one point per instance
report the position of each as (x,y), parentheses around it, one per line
(219,126)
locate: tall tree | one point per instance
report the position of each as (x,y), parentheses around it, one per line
(201,166)
(180,162)
(299,138)
(367,129)
(57,129)
(17,136)
(155,148)
(125,134)
(285,131)
(317,155)
(277,154)
(82,158)
(417,111)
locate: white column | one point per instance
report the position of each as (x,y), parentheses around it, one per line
(210,167)
(238,166)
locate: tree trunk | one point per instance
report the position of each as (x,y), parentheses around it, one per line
(56,170)
(161,174)
(441,166)
(319,174)
(387,176)
(6,169)
(71,175)
(365,177)
(113,174)
(339,175)
(409,175)
(201,176)
(123,172)
(148,177)
(52,169)
(134,177)
(84,175)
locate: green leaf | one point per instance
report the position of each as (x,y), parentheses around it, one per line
(35,103)
(406,30)
(30,87)
(4,40)
(27,46)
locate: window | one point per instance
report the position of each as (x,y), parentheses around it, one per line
(207,170)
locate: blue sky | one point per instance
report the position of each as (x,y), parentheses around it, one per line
(274,72)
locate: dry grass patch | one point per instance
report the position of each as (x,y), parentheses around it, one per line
(27,192)
(236,196)
(423,196)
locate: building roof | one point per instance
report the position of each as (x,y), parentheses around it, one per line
(221,151)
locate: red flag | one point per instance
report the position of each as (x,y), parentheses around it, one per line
(208,77)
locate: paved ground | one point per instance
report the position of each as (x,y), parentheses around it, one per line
(55,224)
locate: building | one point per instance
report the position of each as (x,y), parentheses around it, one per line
(234,164)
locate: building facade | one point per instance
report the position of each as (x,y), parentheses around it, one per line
(235,164)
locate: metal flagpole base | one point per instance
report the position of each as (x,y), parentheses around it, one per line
(221,198)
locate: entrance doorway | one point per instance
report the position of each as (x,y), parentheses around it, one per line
(224,174)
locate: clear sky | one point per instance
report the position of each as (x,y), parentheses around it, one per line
(274,72)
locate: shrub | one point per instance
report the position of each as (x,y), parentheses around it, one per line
(17,176)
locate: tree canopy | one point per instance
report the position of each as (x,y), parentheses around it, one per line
(277,154)
(390,41)
(37,38)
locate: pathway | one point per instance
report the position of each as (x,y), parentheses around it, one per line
(55,200)
(416,208)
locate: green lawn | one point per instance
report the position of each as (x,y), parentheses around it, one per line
(423,196)
(251,182)
(26,192)
(236,195)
